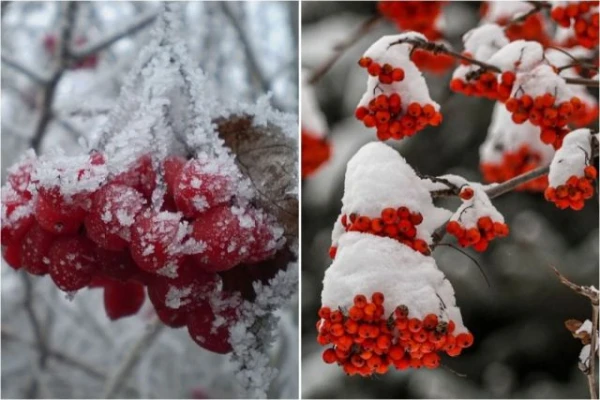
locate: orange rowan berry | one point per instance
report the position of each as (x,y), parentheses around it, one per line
(345,342)
(323,340)
(324,312)
(336,329)
(364,62)
(396,352)
(420,336)
(414,325)
(402,363)
(332,252)
(398,74)
(360,301)
(414,109)
(481,245)
(329,356)
(336,316)
(401,312)
(466,193)
(431,360)
(421,246)
(526,101)
(377,225)
(485,223)
(464,340)
(415,363)
(451,326)
(351,326)
(430,321)
(369,309)
(374,69)
(405,335)
(453,227)
(500,229)
(391,230)
(377,298)
(590,172)
(384,342)
(473,235)
(512,104)
(389,215)
(401,324)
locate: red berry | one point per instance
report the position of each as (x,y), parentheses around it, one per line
(154,241)
(114,209)
(12,255)
(17,217)
(59,218)
(35,250)
(117,265)
(210,332)
(263,242)
(140,176)
(19,176)
(225,239)
(122,299)
(173,166)
(201,186)
(72,262)
(172,318)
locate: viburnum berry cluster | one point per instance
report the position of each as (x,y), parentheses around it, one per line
(383,252)
(571,175)
(366,342)
(397,101)
(582,15)
(510,150)
(316,149)
(70,218)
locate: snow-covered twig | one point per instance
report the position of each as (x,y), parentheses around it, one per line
(120,375)
(342,47)
(140,23)
(594,295)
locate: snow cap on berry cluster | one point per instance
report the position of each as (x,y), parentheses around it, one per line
(571,158)
(377,177)
(478,206)
(518,56)
(313,119)
(506,136)
(338,231)
(397,55)
(366,264)
(542,80)
(481,42)
(71,174)
(506,10)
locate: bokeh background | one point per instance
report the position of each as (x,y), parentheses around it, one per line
(522,349)
(247,49)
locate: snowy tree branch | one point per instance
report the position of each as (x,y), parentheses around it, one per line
(593,295)
(339,49)
(121,373)
(138,24)
(34,76)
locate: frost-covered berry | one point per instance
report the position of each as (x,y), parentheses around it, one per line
(140,176)
(17,217)
(114,208)
(201,186)
(211,331)
(19,175)
(153,239)
(122,299)
(59,217)
(171,317)
(117,265)
(72,262)
(172,166)
(35,249)
(227,242)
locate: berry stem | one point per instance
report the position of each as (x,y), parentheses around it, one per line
(339,49)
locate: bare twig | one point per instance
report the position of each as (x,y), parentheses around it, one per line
(122,372)
(253,64)
(583,81)
(593,295)
(365,28)
(34,76)
(140,23)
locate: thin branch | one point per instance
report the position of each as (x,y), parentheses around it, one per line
(140,23)
(340,48)
(253,64)
(582,81)
(34,76)
(593,295)
(122,372)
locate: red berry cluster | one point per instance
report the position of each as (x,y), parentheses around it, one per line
(366,343)
(575,191)
(315,151)
(436,63)
(113,237)
(399,224)
(514,164)
(486,85)
(88,62)
(543,111)
(532,28)
(385,113)
(585,25)
(419,16)
(477,236)
(386,73)
(584,115)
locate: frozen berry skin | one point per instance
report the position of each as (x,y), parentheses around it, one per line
(59,217)
(172,166)
(35,250)
(173,318)
(262,243)
(114,208)
(201,186)
(122,299)
(12,255)
(115,264)
(227,243)
(184,292)
(19,177)
(203,330)
(153,236)
(140,176)
(17,217)
(72,262)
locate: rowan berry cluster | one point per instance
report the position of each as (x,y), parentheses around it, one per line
(478,236)
(583,16)
(365,342)
(112,234)
(486,84)
(399,224)
(392,121)
(438,63)
(315,151)
(532,28)
(418,16)
(574,191)
(513,164)
(386,73)
(543,111)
